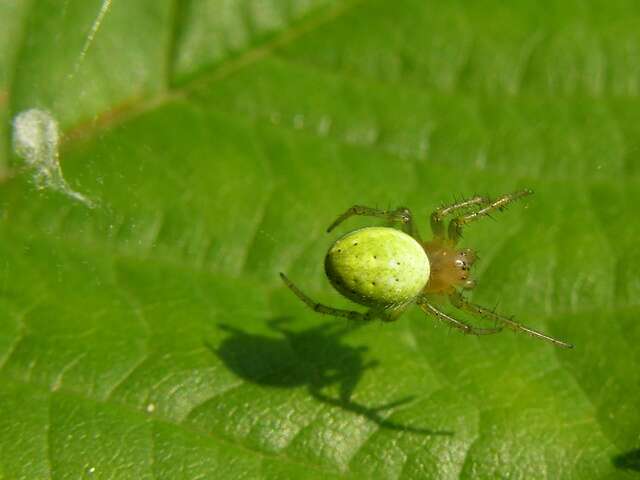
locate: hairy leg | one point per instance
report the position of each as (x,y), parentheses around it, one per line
(320,308)
(456,224)
(462,303)
(443,317)
(437,217)
(400,214)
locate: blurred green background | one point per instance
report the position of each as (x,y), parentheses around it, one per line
(150,337)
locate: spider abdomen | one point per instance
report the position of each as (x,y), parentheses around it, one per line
(377,267)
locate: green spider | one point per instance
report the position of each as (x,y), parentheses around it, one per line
(387,270)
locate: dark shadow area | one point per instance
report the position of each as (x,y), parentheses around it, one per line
(628,461)
(315,357)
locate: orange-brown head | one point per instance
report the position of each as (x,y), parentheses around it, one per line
(449,267)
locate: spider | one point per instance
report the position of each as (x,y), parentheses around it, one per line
(387,270)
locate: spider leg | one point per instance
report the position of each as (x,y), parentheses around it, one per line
(463,304)
(400,214)
(437,226)
(320,308)
(443,317)
(456,224)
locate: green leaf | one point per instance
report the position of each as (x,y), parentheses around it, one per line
(150,336)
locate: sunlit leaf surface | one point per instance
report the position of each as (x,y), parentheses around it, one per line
(150,337)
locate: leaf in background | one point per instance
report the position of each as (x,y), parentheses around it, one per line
(150,337)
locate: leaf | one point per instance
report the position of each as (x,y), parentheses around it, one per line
(150,337)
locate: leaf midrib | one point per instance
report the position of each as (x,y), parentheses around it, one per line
(137,106)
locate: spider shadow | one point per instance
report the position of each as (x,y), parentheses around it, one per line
(628,460)
(315,358)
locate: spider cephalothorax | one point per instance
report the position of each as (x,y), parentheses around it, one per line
(449,267)
(388,270)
